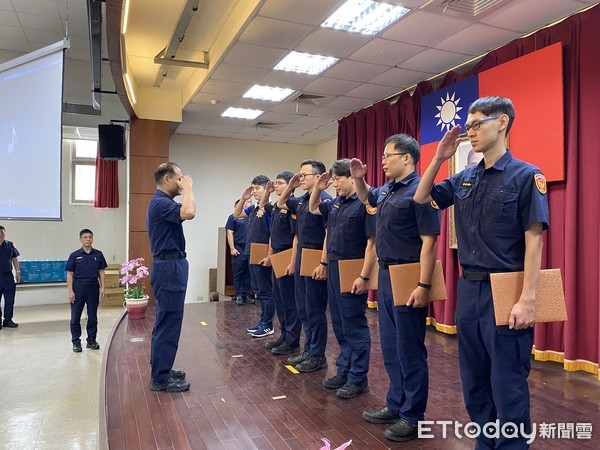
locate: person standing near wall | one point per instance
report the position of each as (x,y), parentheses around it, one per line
(237,231)
(8,260)
(85,281)
(169,272)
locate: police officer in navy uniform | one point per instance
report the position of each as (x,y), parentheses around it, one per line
(169,272)
(282,238)
(350,235)
(406,233)
(8,260)
(259,233)
(237,231)
(500,211)
(311,292)
(85,282)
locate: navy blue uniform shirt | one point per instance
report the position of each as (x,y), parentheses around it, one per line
(282,234)
(310,228)
(7,253)
(493,209)
(239,226)
(86,265)
(258,227)
(401,222)
(349,225)
(164,224)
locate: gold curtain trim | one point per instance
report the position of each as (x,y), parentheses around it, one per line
(447,329)
(576,365)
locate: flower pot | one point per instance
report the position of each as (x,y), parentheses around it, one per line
(136,307)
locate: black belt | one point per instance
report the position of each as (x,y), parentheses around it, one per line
(170,255)
(476,276)
(310,246)
(386,265)
(87,280)
(332,257)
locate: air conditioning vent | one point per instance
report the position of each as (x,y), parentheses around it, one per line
(472,8)
(268,125)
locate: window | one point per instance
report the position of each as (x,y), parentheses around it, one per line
(83,171)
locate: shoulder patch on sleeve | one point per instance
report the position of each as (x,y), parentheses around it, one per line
(371,209)
(540,183)
(434,204)
(294,216)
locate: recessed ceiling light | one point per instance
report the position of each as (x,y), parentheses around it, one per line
(242,113)
(273,94)
(364,16)
(305,63)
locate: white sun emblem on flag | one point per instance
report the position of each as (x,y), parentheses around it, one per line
(448,112)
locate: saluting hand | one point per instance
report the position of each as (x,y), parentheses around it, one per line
(294,181)
(357,168)
(270,187)
(448,145)
(247,193)
(323,181)
(185,182)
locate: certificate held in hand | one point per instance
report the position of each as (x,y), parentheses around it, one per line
(350,270)
(280,261)
(258,252)
(549,296)
(309,261)
(405,277)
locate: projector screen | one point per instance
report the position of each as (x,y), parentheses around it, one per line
(30,136)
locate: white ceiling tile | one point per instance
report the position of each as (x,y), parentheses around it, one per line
(46,8)
(329,42)
(373,92)
(9,18)
(241,74)
(488,39)
(205,98)
(433,60)
(284,134)
(348,103)
(274,33)
(77,53)
(80,42)
(330,86)
(292,107)
(312,12)
(255,56)
(328,113)
(385,52)
(278,117)
(354,70)
(299,127)
(6,5)
(78,29)
(400,78)
(46,37)
(10,32)
(35,22)
(224,87)
(14,45)
(410,28)
(290,80)
(317,121)
(76,12)
(405,3)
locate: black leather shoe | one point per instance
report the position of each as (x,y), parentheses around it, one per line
(239,301)
(250,300)
(401,431)
(293,360)
(350,390)
(9,324)
(284,349)
(92,344)
(274,343)
(312,364)
(334,382)
(171,385)
(380,415)
(178,374)
(77,348)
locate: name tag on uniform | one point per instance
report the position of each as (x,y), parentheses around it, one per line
(336,206)
(79,257)
(467,184)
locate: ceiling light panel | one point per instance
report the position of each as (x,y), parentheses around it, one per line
(242,113)
(305,63)
(272,94)
(364,16)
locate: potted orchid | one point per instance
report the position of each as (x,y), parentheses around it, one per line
(136,300)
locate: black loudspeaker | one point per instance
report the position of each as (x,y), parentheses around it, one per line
(111,141)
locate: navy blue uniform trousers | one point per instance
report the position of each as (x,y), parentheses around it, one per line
(8,289)
(86,293)
(494,364)
(351,329)
(311,302)
(264,285)
(241,272)
(402,331)
(169,283)
(285,307)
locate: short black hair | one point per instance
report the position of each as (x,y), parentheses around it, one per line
(2,228)
(317,166)
(340,168)
(285,175)
(406,144)
(494,106)
(260,180)
(85,231)
(167,168)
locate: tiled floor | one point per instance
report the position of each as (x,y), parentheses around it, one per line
(233,401)
(49,396)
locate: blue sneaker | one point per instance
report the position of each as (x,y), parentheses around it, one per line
(253,328)
(263,331)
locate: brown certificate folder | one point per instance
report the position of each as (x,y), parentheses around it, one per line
(309,261)
(405,277)
(280,261)
(549,296)
(258,252)
(350,270)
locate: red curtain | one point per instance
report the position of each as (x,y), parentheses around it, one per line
(107,184)
(573,241)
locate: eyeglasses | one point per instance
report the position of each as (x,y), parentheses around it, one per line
(302,175)
(387,155)
(476,124)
